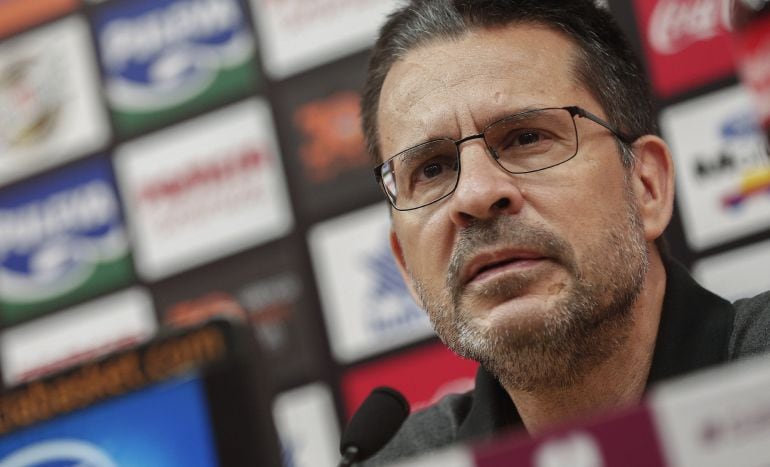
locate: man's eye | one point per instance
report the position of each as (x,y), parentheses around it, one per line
(431,170)
(525,141)
(435,170)
(527,138)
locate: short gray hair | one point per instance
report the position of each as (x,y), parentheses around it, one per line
(605,64)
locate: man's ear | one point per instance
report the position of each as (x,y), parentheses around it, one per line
(398,255)
(653,184)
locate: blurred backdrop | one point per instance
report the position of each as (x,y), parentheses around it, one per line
(163,161)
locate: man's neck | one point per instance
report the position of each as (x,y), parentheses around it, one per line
(617,382)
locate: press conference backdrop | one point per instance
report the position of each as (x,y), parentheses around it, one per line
(162,161)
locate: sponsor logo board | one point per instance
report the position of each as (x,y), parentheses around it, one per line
(366,305)
(77,334)
(49,107)
(307,426)
(722,165)
(739,273)
(317,115)
(423,376)
(332,139)
(297,34)
(165,58)
(687,42)
(62,240)
(204,189)
(271,304)
(16,15)
(717,418)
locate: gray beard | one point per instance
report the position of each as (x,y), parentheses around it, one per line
(576,334)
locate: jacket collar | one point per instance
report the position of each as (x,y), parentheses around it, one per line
(694,332)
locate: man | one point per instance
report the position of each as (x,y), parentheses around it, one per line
(515,141)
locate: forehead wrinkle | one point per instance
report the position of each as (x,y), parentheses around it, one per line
(414,95)
(420,101)
(425,103)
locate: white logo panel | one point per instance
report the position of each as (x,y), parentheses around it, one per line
(723,169)
(299,34)
(739,273)
(307,425)
(717,418)
(365,302)
(204,189)
(76,334)
(49,107)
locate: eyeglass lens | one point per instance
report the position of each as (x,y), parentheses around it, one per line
(522,143)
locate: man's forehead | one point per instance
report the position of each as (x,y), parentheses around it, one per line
(502,53)
(491,72)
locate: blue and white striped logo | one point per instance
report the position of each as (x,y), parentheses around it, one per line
(56,230)
(390,305)
(161,53)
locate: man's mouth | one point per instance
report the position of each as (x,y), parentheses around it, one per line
(486,265)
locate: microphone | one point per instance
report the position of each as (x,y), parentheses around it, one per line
(373,425)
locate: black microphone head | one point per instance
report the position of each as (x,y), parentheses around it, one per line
(375,422)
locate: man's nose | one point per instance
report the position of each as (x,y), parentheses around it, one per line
(484,189)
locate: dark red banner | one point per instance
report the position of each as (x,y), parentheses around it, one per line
(424,376)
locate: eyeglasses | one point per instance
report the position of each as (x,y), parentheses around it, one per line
(522,143)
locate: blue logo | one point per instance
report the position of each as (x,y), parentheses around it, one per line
(742,125)
(391,308)
(56,230)
(160,53)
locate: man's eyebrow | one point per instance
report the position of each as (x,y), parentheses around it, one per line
(497,116)
(492,118)
(406,156)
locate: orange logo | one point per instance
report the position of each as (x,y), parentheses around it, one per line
(214,304)
(16,15)
(333,139)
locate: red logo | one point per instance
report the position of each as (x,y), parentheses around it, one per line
(687,42)
(423,376)
(200,190)
(753,47)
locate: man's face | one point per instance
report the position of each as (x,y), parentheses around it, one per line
(533,275)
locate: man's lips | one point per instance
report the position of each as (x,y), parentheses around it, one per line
(487,264)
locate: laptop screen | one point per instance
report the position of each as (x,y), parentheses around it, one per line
(164,425)
(189,398)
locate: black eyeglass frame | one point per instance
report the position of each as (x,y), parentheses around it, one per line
(574,111)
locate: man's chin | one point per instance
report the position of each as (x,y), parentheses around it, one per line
(524,342)
(525,307)
(500,310)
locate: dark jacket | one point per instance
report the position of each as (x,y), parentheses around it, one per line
(697,330)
